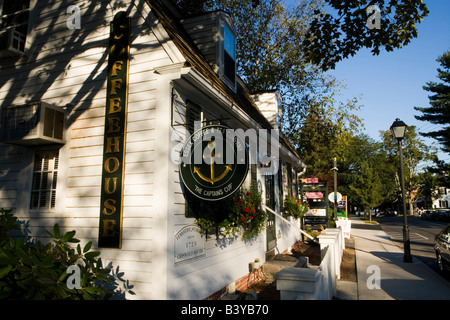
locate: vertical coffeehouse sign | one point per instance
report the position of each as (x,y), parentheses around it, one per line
(110,228)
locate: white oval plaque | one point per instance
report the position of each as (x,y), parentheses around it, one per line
(189,243)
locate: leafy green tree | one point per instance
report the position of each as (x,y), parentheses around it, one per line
(439,110)
(270,57)
(367,187)
(365,173)
(347,26)
(323,34)
(428,188)
(324,133)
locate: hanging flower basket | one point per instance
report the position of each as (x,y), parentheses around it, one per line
(292,207)
(247,208)
(241,212)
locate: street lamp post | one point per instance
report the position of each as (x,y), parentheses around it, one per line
(335,169)
(398,128)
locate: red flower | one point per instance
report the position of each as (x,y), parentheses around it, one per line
(240,201)
(242,219)
(253,210)
(249,193)
(250,217)
(246,209)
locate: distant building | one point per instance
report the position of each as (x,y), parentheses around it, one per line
(441,199)
(444,198)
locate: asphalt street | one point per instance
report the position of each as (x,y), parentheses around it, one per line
(421,234)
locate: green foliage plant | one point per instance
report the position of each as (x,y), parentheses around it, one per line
(240,212)
(247,209)
(293,207)
(32,270)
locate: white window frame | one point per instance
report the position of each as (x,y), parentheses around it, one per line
(31,20)
(51,181)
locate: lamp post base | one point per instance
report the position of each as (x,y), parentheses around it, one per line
(407,257)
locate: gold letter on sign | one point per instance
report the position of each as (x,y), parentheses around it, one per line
(111,197)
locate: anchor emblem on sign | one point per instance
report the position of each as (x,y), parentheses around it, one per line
(212,155)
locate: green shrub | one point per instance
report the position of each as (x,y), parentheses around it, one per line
(32,270)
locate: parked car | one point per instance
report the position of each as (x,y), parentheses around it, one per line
(380,213)
(442,249)
(391,213)
(446,215)
(427,214)
(442,215)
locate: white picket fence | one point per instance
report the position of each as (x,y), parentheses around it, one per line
(315,283)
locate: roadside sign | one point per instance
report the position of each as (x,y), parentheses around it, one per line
(331,197)
(314,195)
(317,213)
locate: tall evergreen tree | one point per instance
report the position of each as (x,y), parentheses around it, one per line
(439,110)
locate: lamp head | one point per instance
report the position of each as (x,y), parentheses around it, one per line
(398,129)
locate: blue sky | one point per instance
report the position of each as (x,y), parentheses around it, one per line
(391,84)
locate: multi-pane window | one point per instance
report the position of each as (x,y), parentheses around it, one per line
(14,16)
(45,175)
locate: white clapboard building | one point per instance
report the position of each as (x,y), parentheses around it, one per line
(96,98)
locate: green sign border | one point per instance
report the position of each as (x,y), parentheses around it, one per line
(193,175)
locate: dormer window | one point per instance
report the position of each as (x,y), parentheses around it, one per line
(215,36)
(228,63)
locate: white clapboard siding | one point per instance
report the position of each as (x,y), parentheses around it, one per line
(69,67)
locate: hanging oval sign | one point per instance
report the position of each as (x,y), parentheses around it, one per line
(214,162)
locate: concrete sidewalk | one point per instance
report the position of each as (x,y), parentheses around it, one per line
(377,255)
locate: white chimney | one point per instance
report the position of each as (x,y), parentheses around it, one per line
(268,104)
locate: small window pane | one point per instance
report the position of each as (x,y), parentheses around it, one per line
(43,195)
(44,184)
(229,67)
(43,200)
(229,42)
(38,162)
(34,200)
(52,202)
(55,178)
